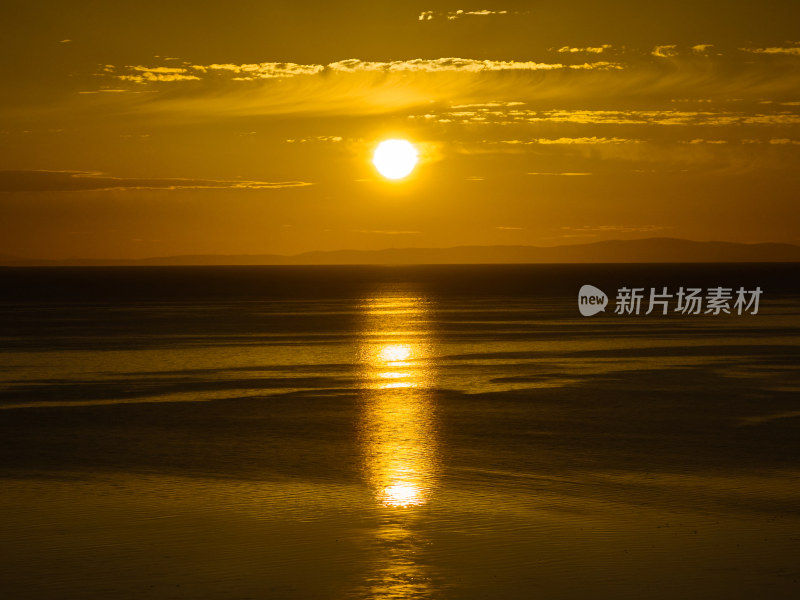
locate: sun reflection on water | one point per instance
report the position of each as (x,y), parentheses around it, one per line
(395,353)
(399,440)
(398,431)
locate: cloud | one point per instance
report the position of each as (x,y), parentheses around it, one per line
(514,114)
(319,138)
(110,91)
(265,70)
(430,15)
(141,74)
(788,50)
(587,50)
(702,48)
(665,51)
(346,87)
(563,174)
(586,140)
(455,65)
(702,141)
(482,105)
(275,70)
(595,147)
(74,181)
(488,90)
(583,157)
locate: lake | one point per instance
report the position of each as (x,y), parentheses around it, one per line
(448,432)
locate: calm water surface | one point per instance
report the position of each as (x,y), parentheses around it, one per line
(376,432)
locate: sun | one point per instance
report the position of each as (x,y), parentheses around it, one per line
(395,159)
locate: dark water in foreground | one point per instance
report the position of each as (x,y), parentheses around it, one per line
(376,432)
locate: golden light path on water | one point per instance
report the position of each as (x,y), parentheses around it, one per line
(399,438)
(398,431)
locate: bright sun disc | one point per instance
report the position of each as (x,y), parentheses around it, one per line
(395,159)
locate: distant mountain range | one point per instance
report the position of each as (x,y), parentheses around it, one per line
(652,250)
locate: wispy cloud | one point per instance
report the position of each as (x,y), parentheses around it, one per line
(573,140)
(462,65)
(788,50)
(565,174)
(571,157)
(252,71)
(702,141)
(351,86)
(665,51)
(430,15)
(283,70)
(142,74)
(110,91)
(702,48)
(512,113)
(587,50)
(486,105)
(476,90)
(73,181)
(333,139)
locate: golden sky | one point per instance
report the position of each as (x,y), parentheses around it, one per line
(137,129)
